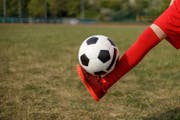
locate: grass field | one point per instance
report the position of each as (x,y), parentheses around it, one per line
(38,80)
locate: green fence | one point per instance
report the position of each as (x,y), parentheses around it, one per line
(43,20)
(28,20)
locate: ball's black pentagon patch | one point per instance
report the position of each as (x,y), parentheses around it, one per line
(104,56)
(92,40)
(112,43)
(84,60)
(100,73)
(113,60)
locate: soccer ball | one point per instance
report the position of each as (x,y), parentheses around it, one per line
(98,55)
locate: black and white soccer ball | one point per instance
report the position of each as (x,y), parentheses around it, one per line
(98,55)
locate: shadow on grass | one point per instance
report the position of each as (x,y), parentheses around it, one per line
(173,114)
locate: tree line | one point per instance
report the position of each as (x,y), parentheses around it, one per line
(104,10)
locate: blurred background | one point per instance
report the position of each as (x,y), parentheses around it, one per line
(80,11)
(38,79)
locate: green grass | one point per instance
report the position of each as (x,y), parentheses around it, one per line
(38,80)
